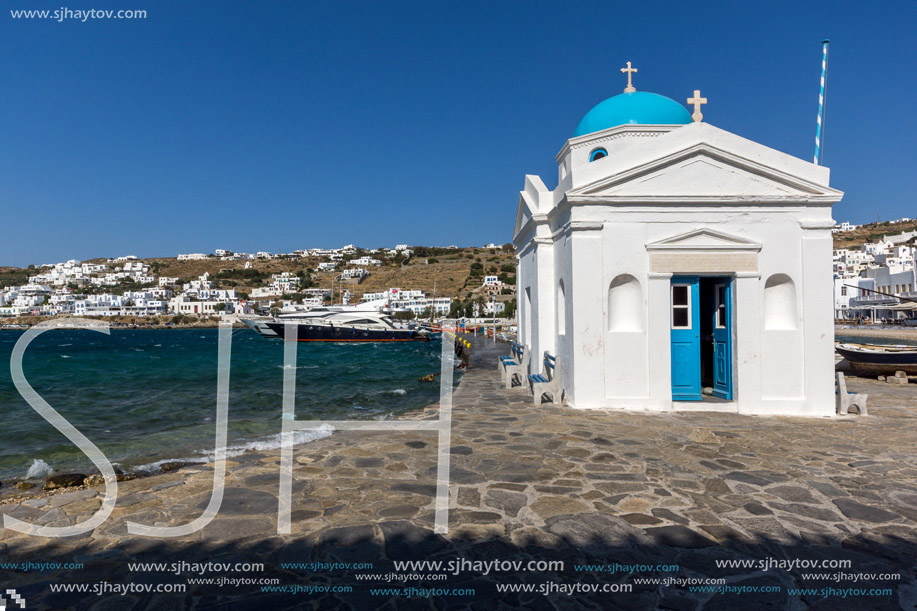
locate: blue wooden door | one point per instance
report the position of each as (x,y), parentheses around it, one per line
(722,341)
(684,310)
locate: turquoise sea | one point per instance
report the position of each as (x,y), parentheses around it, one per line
(880,341)
(147,396)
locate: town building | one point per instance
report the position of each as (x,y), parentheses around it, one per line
(678,266)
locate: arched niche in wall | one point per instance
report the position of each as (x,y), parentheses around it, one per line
(780,313)
(625,305)
(561,312)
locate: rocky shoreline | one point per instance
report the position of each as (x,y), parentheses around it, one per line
(18,490)
(204,324)
(26,490)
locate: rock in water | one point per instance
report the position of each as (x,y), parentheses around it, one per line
(64,480)
(25,485)
(168,467)
(94,480)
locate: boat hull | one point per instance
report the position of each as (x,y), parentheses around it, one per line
(259,326)
(328,333)
(877,363)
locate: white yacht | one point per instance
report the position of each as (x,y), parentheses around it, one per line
(331,325)
(261,324)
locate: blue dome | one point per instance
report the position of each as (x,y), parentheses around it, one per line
(636,108)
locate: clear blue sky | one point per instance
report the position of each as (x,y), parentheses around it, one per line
(280,125)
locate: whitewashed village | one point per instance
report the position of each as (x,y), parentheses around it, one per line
(869,281)
(129,286)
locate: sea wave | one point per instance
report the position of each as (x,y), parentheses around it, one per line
(39,469)
(264,444)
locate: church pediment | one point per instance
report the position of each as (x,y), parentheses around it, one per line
(703,251)
(705,173)
(533,200)
(704,239)
(523,215)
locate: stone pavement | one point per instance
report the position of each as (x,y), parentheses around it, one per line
(529,482)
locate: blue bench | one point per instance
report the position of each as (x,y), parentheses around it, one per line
(549,382)
(515,365)
(514,358)
(515,354)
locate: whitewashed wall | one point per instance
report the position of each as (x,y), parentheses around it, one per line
(592,234)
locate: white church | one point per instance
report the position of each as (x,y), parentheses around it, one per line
(677,266)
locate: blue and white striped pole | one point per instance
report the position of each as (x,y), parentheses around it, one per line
(821,99)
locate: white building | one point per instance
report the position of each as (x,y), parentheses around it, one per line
(184,304)
(265,292)
(492,284)
(845,226)
(675,259)
(414,300)
(901,238)
(355,273)
(885,286)
(367,262)
(492,308)
(285,282)
(197,256)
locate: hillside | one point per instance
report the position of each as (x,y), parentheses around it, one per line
(871,232)
(455,272)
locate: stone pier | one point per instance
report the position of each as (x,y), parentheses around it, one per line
(527,483)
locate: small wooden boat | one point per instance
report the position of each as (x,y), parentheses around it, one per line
(878,360)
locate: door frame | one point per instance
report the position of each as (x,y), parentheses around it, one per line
(695,391)
(728,283)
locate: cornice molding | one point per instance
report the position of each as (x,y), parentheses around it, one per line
(613,133)
(579,199)
(810,190)
(720,242)
(817,223)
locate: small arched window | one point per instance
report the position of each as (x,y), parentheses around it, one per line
(780,303)
(625,305)
(598,154)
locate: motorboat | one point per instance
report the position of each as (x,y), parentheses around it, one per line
(876,360)
(363,322)
(260,325)
(350,326)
